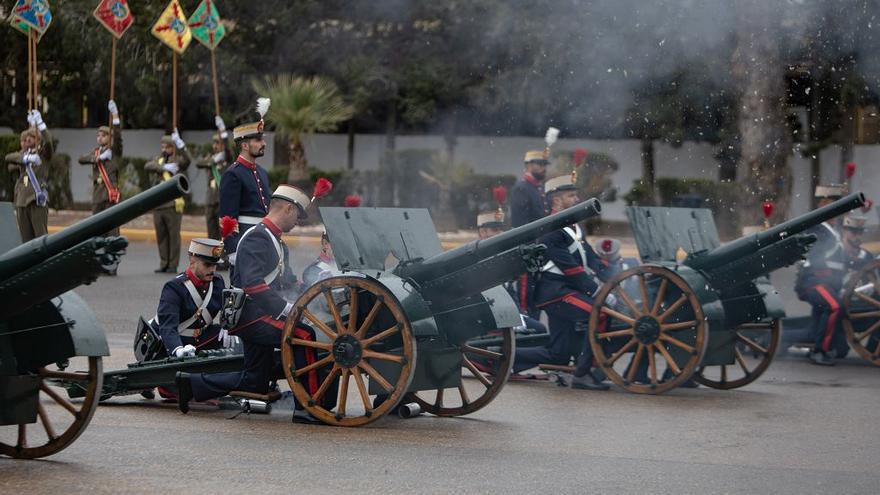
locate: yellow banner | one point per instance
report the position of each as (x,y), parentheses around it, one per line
(172,28)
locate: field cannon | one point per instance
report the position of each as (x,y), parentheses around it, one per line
(861,319)
(714,316)
(49,338)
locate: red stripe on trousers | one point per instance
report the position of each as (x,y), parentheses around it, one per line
(523,287)
(832,316)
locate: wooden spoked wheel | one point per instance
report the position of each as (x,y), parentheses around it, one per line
(483,375)
(365,343)
(754,347)
(654,338)
(861,300)
(59,420)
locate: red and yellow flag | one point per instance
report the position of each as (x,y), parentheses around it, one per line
(172,28)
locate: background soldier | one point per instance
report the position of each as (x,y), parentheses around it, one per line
(32,163)
(174,159)
(215,164)
(527,204)
(106,161)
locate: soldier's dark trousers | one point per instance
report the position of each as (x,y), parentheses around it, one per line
(33,221)
(260,339)
(565,340)
(826,316)
(99,207)
(212,220)
(167,224)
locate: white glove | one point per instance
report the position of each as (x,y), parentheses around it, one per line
(106,155)
(219,157)
(175,136)
(611,300)
(38,120)
(31,158)
(185,350)
(170,167)
(218,121)
(114,111)
(285,311)
(30,119)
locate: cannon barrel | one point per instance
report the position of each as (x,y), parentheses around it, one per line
(476,251)
(44,247)
(745,246)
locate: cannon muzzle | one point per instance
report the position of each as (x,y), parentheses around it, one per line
(44,247)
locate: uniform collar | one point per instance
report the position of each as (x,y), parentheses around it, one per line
(531,179)
(272,227)
(200,285)
(243,161)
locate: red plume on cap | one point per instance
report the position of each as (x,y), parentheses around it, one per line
(500,194)
(768,207)
(228,225)
(869,203)
(580,156)
(850,170)
(352,201)
(322,188)
(607,244)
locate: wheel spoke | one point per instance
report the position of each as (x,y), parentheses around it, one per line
(723,373)
(864,314)
(867,299)
(627,300)
(22,436)
(438,401)
(674,341)
(616,333)
(317,364)
(324,346)
(634,364)
(669,361)
(352,309)
(873,328)
(368,321)
(362,389)
(643,288)
(751,343)
(620,316)
(334,310)
(384,356)
(477,373)
(320,324)
(671,327)
(464,396)
(343,393)
(652,363)
(661,293)
(742,361)
(60,400)
(44,418)
(671,309)
(376,376)
(325,385)
(623,350)
(495,356)
(380,336)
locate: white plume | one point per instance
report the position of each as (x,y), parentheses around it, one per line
(263,106)
(552,136)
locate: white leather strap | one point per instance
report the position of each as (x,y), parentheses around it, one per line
(249,220)
(278,269)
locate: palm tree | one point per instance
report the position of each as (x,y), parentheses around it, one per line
(302,106)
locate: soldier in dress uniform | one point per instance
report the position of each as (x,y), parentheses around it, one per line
(215,164)
(244,188)
(564,290)
(173,159)
(527,204)
(323,267)
(820,281)
(106,160)
(32,163)
(263,272)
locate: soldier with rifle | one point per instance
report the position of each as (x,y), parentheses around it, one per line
(215,164)
(32,162)
(173,159)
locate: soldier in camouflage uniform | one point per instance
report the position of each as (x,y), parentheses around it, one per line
(106,160)
(216,164)
(31,197)
(174,159)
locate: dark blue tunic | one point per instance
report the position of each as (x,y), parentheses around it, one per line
(527,202)
(176,305)
(244,191)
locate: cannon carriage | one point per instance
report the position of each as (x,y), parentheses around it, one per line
(49,338)
(712,317)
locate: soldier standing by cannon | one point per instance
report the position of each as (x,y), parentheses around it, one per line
(173,159)
(32,162)
(565,292)
(263,273)
(215,164)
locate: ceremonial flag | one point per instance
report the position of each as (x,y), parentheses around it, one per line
(24,28)
(32,13)
(172,29)
(205,24)
(114,15)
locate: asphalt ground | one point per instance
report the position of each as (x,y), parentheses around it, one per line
(798,429)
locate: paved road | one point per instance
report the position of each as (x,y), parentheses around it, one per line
(799,429)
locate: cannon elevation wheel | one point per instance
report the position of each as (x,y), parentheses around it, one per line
(861,300)
(654,338)
(61,420)
(483,374)
(364,358)
(754,348)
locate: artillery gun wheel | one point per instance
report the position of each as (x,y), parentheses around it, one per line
(862,319)
(655,337)
(754,348)
(489,370)
(56,412)
(377,342)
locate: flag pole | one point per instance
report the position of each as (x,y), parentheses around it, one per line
(112,82)
(36,81)
(174,89)
(30,70)
(214,79)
